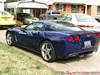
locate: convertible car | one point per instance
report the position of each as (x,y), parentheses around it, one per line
(54,40)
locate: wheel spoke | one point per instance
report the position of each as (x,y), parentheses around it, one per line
(45,56)
(46,51)
(48,55)
(9,39)
(43,48)
(49,49)
(46,46)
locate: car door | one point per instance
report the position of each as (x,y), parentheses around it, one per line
(21,36)
(31,35)
(35,35)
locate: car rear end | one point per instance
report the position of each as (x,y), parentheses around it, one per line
(81,43)
(71,40)
(6,19)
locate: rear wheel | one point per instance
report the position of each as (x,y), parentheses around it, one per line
(9,39)
(47,51)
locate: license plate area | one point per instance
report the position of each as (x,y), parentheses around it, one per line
(87,44)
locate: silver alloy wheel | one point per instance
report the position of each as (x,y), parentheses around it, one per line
(9,39)
(47,50)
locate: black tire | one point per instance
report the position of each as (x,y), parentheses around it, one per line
(88,54)
(48,54)
(9,39)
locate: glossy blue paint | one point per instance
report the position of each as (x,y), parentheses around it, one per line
(32,39)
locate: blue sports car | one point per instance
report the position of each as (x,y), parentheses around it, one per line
(54,39)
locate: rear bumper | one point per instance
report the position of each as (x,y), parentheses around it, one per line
(65,50)
(80,52)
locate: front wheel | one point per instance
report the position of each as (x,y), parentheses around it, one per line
(9,39)
(47,51)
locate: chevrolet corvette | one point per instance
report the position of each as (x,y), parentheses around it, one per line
(54,39)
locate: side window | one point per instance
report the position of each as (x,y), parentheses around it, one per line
(30,27)
(68,18)
(35,26)
(49,28)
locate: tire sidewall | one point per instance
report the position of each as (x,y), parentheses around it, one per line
(53,57)
(12,39)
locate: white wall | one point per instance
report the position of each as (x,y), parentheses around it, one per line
(2,0)
(1,6)
(25,0)
(48,2)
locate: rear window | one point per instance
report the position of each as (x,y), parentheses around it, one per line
(85,18)
(62,26)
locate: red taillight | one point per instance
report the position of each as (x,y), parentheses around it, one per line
(85,26)
(77,38)
(91,26)
(73,38)
(98,34)
(81,25)
(70,39)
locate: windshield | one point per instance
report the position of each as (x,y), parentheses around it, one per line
(85,18)
(62,26)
